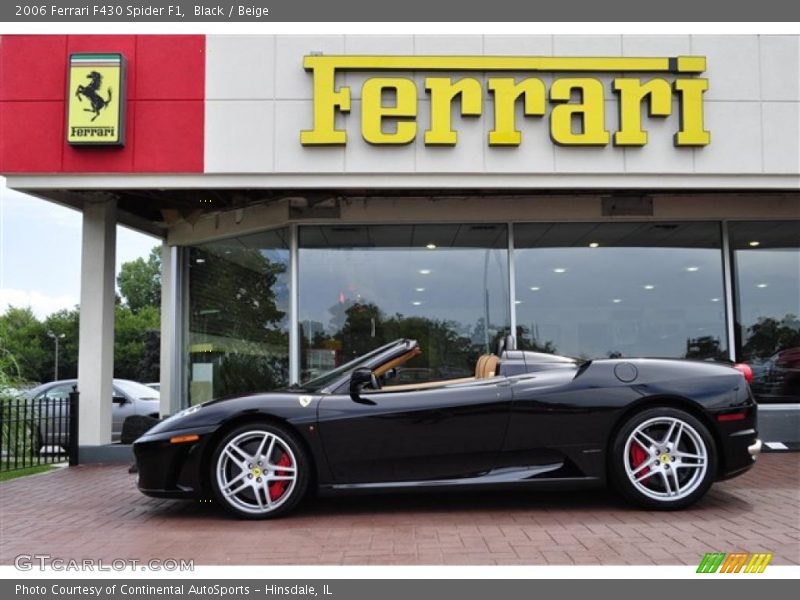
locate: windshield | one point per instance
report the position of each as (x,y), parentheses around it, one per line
(324,380)
(136,390)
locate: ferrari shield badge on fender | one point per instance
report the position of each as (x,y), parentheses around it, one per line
(304,400)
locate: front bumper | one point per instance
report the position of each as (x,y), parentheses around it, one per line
(167,470)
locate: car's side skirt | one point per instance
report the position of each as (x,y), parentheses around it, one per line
(505,477)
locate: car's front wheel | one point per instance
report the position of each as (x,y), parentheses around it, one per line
(259,471)
(663,458)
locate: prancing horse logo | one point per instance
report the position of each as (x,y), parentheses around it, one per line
(305,400)
(90,92)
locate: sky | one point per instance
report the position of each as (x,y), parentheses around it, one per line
(40,252)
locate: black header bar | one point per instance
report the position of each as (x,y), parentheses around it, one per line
(177,11)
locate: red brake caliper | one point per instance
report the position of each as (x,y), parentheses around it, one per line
(638,456)
(277,488)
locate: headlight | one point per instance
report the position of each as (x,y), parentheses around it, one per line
(189,411)
(184,413)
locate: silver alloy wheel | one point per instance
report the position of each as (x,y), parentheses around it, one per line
(665,458)
(252,467)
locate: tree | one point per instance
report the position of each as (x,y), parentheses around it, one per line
(445,352)
(132,336)
(66,322)
(769,335)
(362,329)
(236,295)
(236,316)
(527,341)
(24,338)
(137,320)
(150,364)
(139,281)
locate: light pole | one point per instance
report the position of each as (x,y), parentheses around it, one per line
(56,337)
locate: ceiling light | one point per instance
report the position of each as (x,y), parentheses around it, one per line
(755,243)
(517,301)
(535,288)
(617,300)
(420,289)
(649,286)
(559,270)
(431,246)
(715,299)
(593,244)
(416,303)
(761,285)
(692,269)
(424,271)
(200,261)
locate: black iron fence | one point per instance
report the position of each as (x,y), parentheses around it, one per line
(38,432)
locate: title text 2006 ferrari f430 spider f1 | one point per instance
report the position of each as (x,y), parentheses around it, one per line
(658,431)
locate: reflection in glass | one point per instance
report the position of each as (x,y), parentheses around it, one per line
(621,289)
(238,334)
(362,286)
(766,259)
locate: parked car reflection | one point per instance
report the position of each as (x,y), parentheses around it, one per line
(778,378)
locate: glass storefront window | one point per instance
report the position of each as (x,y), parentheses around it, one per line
(361,286)
(594,290)
(588,290)
(238,330)
(766,260)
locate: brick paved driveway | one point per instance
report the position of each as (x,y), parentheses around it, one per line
(96,512)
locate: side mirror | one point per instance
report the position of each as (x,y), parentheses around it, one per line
(360,377)
(119,400)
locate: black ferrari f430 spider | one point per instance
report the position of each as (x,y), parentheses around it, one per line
(659,431)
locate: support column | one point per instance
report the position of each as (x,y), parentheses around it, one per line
(171,388)
(294,306)
(96,336)
(727,272)
(512,286)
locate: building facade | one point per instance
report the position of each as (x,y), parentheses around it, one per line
(595,196)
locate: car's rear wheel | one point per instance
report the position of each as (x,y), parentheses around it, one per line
(663,458)
(259,471)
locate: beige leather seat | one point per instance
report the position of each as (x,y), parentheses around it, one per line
(486,366)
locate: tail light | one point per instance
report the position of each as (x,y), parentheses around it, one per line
(737,416)
(746,371)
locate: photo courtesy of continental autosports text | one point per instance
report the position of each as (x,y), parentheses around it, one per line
(179,590)
(354,300)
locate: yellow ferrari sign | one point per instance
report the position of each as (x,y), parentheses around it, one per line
(575,104)
(96,99)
